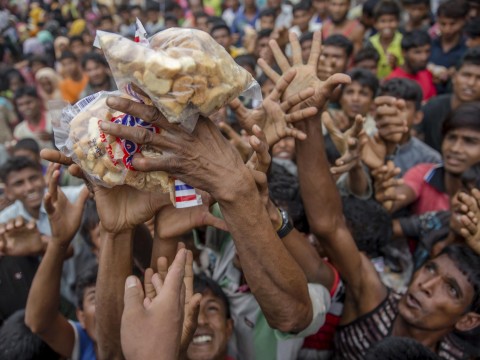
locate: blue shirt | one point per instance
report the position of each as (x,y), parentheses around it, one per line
(447,59)
(84,348)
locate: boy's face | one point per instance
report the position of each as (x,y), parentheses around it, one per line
(386,26)
(334,57)
(284,149)
(70,67)
(356,99)
(338,10)
(222,37)
(202,23)
(414,116)
(28,107)
(417,12)
(306,47)
(460,149)
(449,28)
(214,330)
(96,72)
(28,186)
(466,83)
(86,317)
(267,22)
(416,58)
(368,64)
(320,6)
(301,19)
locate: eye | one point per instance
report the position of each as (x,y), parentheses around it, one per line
(213,308)
(430,268)
(452,291)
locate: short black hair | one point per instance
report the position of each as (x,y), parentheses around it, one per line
(76,38)
(18,341)
(369,223)
(340,41)
(416,2)
(95,57)
(264,33)
(405,89)
(471,177)
(200,14)
(304,5)
(308,36)
(400,348)
(453,9)
(171,17)
(465,116)
(368,52)
(87,278)
(37,58)
(267,12)
(171,5)
(8,75)
(68,55)
(246,60)
(364,78)
(202,283)
(368,7)
(472,28)
(387,7)
(471,57)
(220,26)
(90,221)
(414,39)
(27,144)
(110,17)
(26,91)
(215,20)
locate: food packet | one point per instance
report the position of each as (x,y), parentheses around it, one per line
(184,72)
(106,159)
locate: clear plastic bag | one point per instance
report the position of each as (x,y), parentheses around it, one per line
(184,72)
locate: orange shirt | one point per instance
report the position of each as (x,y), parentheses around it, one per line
(72,89)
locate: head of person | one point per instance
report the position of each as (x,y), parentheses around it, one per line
(472,32)
(24,181)
(28,148)
(214,20)
(70,64)
(444,294)
(201,20)
(367,58)
(416,50)
(358,96)
(261,44)
(338,10)
(266,85)
(367,19)
(77,46)
(266,19)
(302,12)
(387,18)
(195,5)
(400,348)
(48,80)
(105,23)
(451,17)
(37,62)
(274,4)
(473,9)
(461,139)
(215,325)
(170,21)
(417,10)
(96,68)
(409,91)
(153,12)
(85,296)
(90,227)
(174,8)
(306,44)
(466,81)
(336,52)
(14,80)
(28,103)
(320,7)
(222,35)
(247,62)
(18,342)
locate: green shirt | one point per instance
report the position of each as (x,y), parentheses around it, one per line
(394,48)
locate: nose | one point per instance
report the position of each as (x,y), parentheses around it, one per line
(29,186)
(456,146)
(428,286)
(202,319)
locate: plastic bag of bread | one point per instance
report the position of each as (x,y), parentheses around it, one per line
(105,159)
(184,72)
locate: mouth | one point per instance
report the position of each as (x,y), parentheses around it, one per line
(412,302)
(283,155)
(201,339)
(33,197)
(467,92)
(453,161)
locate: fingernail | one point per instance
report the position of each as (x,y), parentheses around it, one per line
(256,128)
(255,140)
(112,101)
(104,125)
(131,282)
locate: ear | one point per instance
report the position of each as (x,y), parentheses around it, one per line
(229,328)
(468,322)
(418,117)
(8,194)
(81,317)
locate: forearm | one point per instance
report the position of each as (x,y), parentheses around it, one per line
(115,265)
(163,247)
(358,181)
(280,287)
(44,296)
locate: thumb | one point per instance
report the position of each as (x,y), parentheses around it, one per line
(133,298)
(328,123)
(82,198)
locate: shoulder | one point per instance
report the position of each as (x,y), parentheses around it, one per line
(429,154)
(419,170)
(11,211)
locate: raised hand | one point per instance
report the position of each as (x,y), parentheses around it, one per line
(391,118)
(19,237)
(236,140)
(348,143)
(385,185)
(374,151)
(306,74)
(470,220)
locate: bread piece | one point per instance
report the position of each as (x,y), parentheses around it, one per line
(155,85)
(200,86)
(216,98)
(182,88)
(163,66)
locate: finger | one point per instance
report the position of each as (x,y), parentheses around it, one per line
(55,156)
(295,133)
(162,267)
(48,204)
(32,224)
(327,121)
(53,186)
(296,49)
(268,71)
(176,273)
(259,144)
(19,221)
(150,292)
(357,127)
(297,99)
(166,163)
(282,84)
(238,108)
(188,278)
(145,112)
(229,132)
(300,115)
(338,170)
(212,220)
(468,224)
(82,199)
(315,49)
(133,297)
(331,83)
(280,58)
(384,111)
(385,100)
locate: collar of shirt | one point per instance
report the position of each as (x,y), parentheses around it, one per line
(435,177)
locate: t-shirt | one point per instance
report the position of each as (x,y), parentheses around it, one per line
(435,112)
(84,348)
(424,78)
(395,48)
(72,89)
(24,131)
(427,182)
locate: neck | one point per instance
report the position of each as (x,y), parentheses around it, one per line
(386,41)
(77,75)
(448,44)
(35,120)
(455,102)
(103,86)
(453,183)
(35,213)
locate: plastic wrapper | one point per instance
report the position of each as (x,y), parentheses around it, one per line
(184,72)
(107,160)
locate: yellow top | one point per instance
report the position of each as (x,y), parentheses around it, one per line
(394,48)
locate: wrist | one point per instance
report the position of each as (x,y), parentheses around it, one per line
(235,187)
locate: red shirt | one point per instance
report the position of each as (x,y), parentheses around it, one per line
(424,78)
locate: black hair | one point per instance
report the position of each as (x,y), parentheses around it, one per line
(86,279)
(308,36)
(405,89)
(304,5)
(27,144)
(42,59)
(472,28)
(416,2)
(220,26)
(471,57)
(90,221)
(109,17)
(471,177)
(202,283)
(171,17)
(465,116)
(95,57)
(364,78)
(453,9)
(369,223)
(246,60)
(171,5)
(18,341)
(468,262)
(200,14)
(68,55)
(387,7)
(267,12)
(76,38)
(368,7)
(414,39)
(10,74)
(264,33)
(368,52)
(400,348)
(26,91)
(215,20)
(340,41)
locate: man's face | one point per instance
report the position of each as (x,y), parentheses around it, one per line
(356,99)
(86,317)
(202,23)
(386,26)
(28,107)
(338,10)
(213,332)
(46,85)
(416,58)
(284,149)
(306,47)
(301,19)
(320,6)
(368,64)
(334,57)
(70,66)
(417,12)
(26,185)
(96,72)
(449,28)
(79,49)
(274,4)
(438,296)
(222,37)
(460,149)
(262,45)
(267,22)
(466,83)
(37,65)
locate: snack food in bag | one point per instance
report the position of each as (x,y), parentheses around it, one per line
(185,72)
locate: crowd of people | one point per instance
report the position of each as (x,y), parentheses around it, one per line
(340,216)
